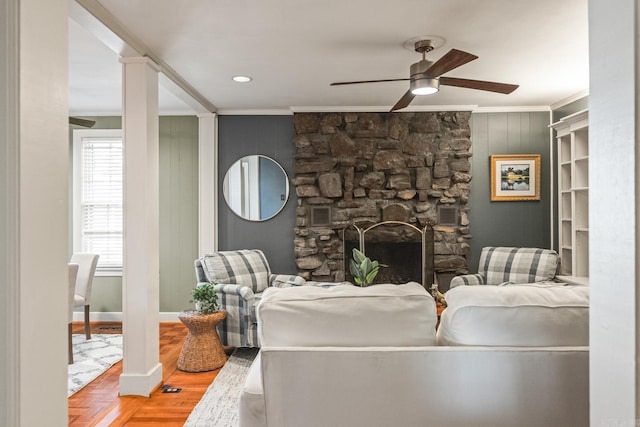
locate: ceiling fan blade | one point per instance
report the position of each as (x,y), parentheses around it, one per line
(404,101)
(452,59)
(81,122)
(479,85)
(367,81)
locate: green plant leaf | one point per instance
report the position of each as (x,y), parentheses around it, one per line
(354,269)
(371,275)
(358,256)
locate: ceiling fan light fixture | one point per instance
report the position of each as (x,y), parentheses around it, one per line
(424,86)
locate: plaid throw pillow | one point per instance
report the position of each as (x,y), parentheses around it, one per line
(247,267)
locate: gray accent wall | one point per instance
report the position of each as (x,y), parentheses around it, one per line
(514,223)
(178,217)
(271,136)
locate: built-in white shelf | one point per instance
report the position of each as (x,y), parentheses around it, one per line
(572,136)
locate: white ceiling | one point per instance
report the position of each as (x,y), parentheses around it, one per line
(293,49)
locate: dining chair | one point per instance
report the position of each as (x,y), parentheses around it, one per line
(73,275)
(86,271)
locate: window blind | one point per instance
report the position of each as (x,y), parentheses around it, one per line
(100,202)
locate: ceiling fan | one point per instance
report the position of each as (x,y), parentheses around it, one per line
(426,76)
(81,122)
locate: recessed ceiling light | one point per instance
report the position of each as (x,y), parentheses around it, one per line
(241,79)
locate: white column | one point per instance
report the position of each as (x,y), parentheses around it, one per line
(613,212)
(34,199)
(142,371)
(208,183)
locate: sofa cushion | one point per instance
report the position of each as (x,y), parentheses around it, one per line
(346,315)
(516,315)
(247,267)
(517,265)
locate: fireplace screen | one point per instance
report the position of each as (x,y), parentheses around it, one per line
(405,251)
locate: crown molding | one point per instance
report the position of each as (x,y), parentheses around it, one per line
(514,109)
(569,99)
(379,109)
(255,112)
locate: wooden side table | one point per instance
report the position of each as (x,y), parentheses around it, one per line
(202,350)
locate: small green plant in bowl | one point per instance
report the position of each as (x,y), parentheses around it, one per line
(206,298)
(363,270)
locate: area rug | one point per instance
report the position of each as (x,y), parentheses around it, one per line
(91,358)
(219,404)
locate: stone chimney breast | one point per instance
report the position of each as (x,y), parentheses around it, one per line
(372,167)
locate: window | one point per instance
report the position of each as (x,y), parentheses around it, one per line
(97,197)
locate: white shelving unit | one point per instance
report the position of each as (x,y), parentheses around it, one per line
(572,135)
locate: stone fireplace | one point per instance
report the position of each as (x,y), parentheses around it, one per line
(355,168)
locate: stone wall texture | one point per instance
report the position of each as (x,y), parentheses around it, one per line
(371,167)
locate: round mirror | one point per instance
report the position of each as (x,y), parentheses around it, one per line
(256,188)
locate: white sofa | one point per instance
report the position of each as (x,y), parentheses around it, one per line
(349,356)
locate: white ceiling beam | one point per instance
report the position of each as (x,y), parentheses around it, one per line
(105,27)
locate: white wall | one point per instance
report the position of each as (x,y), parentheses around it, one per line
(34,209)
(613,213)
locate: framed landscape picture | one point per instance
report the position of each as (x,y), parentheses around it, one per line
(515,177)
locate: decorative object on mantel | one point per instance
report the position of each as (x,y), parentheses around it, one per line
(438,296)
(515,177)
(363,269)
(202,350)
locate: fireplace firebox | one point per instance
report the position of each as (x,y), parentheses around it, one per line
(405,251)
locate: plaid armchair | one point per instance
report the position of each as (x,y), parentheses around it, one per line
(502,266)
(240,277)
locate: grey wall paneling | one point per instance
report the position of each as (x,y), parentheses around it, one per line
(514,223)
(272,136)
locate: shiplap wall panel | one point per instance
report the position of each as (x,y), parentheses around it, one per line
(179,210)
(272,136)
(516,223)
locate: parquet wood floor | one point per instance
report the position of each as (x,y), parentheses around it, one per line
(98,404)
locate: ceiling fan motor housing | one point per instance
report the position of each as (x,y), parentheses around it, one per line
(420,67)
(420,83)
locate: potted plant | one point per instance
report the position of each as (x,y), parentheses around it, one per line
(206,298)
(363,269)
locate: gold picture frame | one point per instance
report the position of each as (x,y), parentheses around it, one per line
(515,177)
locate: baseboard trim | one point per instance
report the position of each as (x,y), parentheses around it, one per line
(116,316)
(141,384)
